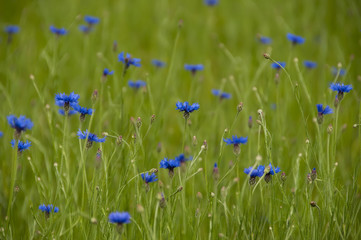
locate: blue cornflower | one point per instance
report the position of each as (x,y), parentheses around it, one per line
(12,29)
(85,29)
(215,171)
(220,94)
(91,137)
(128,60)
(211,2)
(63,100)
(322,111)
(1,134)
(91,20)
(253,173)
(19,124)
(119,217)
(309,64)
(265,40)
(277,66)
(193,68)
(58,31)
(158,63)
(336,71)
(48,209)
(186,108)
(83,111)
(182,159)
(236,141)
(295,39)
(106,72)
(136,84)
(270,172)
(170,165)
(70,112)
(148,178)
(21,145)
(341,89)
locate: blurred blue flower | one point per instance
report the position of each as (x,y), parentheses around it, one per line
(182,159)
(222,95)
(128,60)
(158,63)
(148,178)
(1,134)
(19,124)
(309,64)
(322,111)
(186,107)
(169,164)
(235,140)
(91,138)
(211,2)
(106,72)
(273,170)
(70,112)
(136,84)
(21,145)
(193,68)
(258,172)
(294,39)
(91,20)
(63,100)
(58,31)
(48,209)
(83,110)
(85,29)
(265,40)
(12,29)
(341,88)
(336,71)
(277,66)
(119,217)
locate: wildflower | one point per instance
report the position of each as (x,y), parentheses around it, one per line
(236,141)
(253,173)
(309,64)
(279,65)
(91,137)
(215,171)
(295,39)
(264,40)
(63,100)
(136,84)
(313,174)
(211,2)
(270,172)
(341,89)
(11,30)
(128,60)
(91,20)
(106,72)
(70,112)
(21,145)
(250,122)
(182,159)
(322,111)
(83,111)
(193,68)
(58,31)
(119,217)
(85,29)
(19,124)
(1,134)
(148,178)
(222,95)
(340,72)
(170,165)
(186,108)
(158,63)
(48,209)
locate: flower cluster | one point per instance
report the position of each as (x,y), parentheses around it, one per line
(48,209)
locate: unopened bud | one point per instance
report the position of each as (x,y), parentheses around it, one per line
(119,140)
(313,204)
(329,129)
(95,96)
(139,122)
(140,208)
(250,122)
(199,195)
(240,107)
(152,119)
(194,141)
(266,56)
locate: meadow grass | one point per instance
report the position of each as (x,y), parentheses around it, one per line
(198,202)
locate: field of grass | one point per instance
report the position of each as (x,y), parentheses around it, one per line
(142,126)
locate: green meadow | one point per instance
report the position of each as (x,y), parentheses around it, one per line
(316,193)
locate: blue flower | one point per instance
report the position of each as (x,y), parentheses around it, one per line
(119,217)
(186,107)
(85,29)
(193,68)
(182,159)
(136,84)
(277,66)
(170,165)
(91,137)
(295,39)
(148,178)
(341,89)
(128,60)
(19,124)
(236,140)
(265,40)
(63,100)
(1,134)
(12,29)
(258,172)
(70,112)
(340,72)
(48,209)
(158,63)
(273,170)
(106,72)
(309,64)
(322,111)
(211,2)
(82,110)
(222,95)
(21,145)
(58,31)
(91,20)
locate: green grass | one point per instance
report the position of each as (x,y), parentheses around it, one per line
(58,169)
